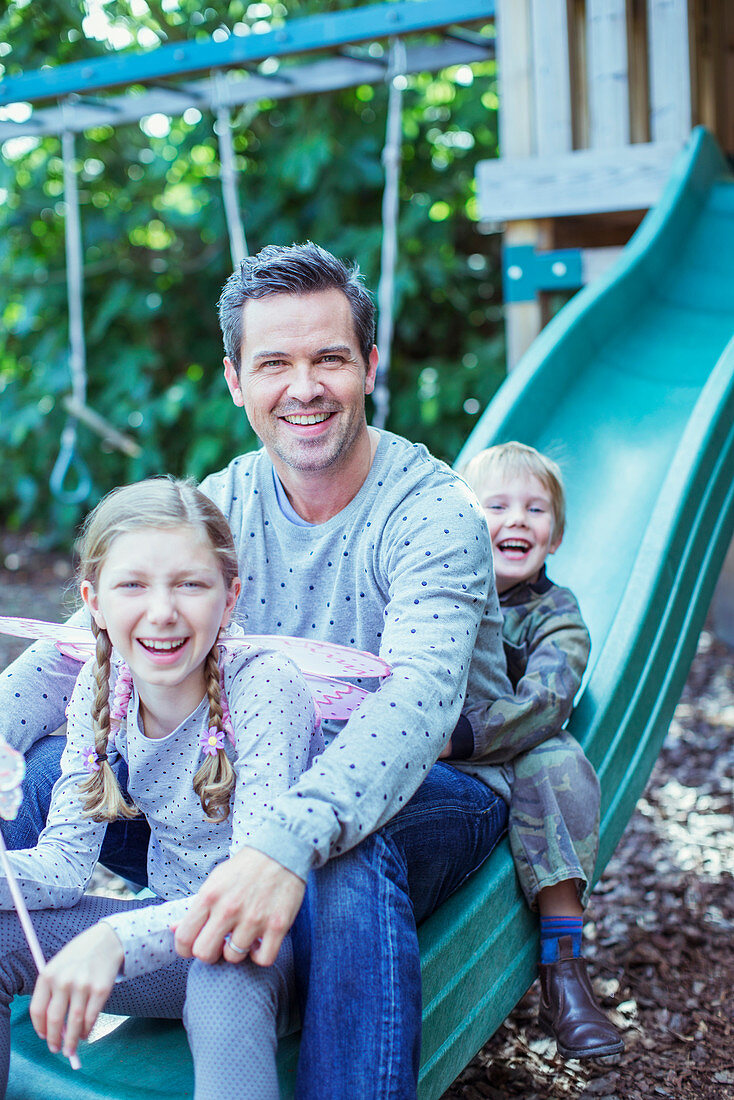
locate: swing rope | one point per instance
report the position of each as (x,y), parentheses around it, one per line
(68,459)
(388,255)
(228,172)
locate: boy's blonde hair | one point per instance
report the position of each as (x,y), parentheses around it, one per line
(160,502)
(510,459)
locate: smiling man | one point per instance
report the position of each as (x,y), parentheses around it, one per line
(355,536)
(302,378)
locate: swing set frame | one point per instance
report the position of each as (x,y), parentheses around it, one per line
(303,57)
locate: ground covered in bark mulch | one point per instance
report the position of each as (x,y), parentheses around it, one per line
(659,934)
(660,929)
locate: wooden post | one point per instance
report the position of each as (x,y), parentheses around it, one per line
(551,71)
(725,132)
(514,78)
(670,83)
(523,320)
(638,64)
(608,73)
(712,67)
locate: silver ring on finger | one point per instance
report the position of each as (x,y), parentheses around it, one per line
(240,950)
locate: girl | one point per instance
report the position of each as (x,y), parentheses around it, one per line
(208,743)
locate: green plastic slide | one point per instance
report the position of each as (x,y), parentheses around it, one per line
(631,389)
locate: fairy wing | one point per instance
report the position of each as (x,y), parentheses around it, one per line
(320,658)
(75,641)
(334,698)
(314,657)
(12,771)
(322,663)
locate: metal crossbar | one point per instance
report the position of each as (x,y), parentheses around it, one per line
(135,84)
(240,86)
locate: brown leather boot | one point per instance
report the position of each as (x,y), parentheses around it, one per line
(568,1008)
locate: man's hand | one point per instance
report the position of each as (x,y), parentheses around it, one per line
(73,988)
(250,898)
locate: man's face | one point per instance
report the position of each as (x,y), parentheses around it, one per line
(302,378)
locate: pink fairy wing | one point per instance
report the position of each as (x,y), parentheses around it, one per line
(78,652)
(311,656)
(334,698)
(321,662)
(38,628)
(76,642)
(320,658)
(12,767)
(10,803)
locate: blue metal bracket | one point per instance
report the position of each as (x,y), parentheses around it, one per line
(526,271)
(315,32)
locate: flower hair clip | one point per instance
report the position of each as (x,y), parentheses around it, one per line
(93,760)
(212,740)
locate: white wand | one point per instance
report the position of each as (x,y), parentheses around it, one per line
(12,770)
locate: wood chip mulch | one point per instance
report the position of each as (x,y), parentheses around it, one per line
(659,931)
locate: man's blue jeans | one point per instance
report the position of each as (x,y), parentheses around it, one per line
(356,945)
(125,846)
(355,937)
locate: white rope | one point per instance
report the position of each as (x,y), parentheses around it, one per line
(74,272)
(77,348)
(389,250)
(69,460)
(228,173)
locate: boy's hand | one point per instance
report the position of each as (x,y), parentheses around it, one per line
(250,898)
(73,988)
(446,751)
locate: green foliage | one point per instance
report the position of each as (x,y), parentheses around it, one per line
(156,254)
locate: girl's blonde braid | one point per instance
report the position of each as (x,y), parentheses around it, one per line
(215,779)
(105,800)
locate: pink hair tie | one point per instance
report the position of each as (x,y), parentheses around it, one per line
(93,760)
(226,716)
(121,698)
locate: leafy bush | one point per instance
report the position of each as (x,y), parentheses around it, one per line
(156,254)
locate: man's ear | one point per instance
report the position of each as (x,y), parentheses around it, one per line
(369,381)
(90,598)
(233,383)
(232,597)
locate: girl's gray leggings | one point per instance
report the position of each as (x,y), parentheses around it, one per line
(233,1014)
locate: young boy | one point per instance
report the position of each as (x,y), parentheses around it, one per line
(554,811)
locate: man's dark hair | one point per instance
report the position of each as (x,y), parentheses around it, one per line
(293,269)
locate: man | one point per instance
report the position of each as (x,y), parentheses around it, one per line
(355,536)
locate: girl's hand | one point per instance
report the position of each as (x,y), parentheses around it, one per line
(73,987)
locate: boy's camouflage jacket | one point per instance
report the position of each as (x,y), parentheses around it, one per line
(547,647)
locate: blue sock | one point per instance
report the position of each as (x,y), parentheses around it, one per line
(551,930)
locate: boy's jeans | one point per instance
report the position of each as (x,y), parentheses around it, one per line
(355,939)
